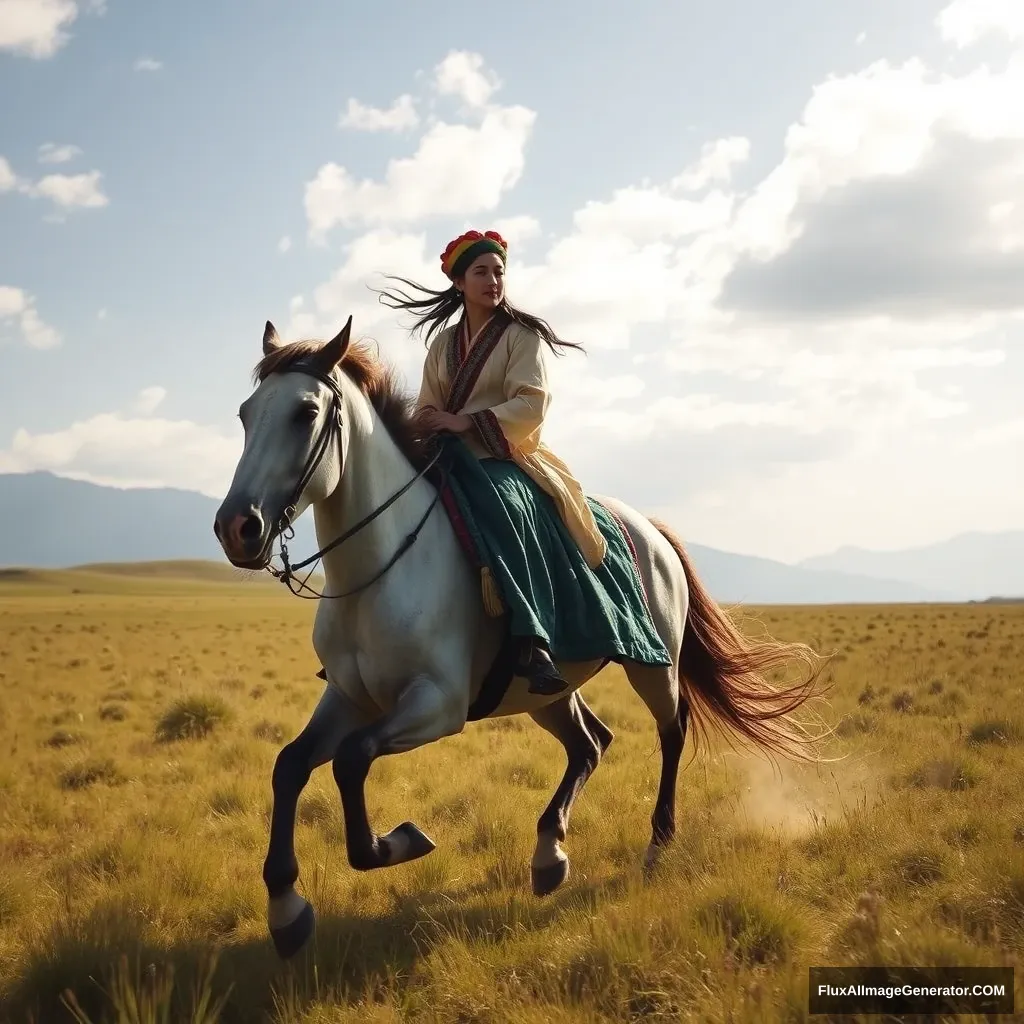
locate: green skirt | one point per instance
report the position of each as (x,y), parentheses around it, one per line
(547,588)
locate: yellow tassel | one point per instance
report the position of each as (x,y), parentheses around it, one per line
(492,596)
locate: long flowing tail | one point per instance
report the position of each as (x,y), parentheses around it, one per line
(723,674)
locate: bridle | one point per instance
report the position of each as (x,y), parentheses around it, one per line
(284,531)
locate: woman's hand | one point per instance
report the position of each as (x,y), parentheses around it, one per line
(434,420)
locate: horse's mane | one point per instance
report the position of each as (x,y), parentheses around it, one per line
(377,380)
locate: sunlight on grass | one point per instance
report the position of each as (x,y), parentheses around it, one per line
(141,721)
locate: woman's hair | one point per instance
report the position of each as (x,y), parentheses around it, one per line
(436,308)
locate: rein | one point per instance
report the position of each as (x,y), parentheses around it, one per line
(285,530)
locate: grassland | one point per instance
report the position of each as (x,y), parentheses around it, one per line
(140,719)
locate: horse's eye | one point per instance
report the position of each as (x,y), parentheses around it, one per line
(306,414)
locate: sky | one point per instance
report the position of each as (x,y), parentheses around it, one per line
(791,238)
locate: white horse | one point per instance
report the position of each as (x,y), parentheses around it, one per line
(406,652)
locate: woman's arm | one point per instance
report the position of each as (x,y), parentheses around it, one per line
(430,388)
(512,425)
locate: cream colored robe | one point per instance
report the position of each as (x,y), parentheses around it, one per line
(501,383)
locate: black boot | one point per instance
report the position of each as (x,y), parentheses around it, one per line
(540,670)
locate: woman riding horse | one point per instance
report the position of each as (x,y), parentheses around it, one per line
(485,393)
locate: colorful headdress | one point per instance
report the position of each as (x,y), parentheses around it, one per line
(461,251)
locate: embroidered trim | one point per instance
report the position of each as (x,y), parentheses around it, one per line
(453,353)
(467,373)
(465,538)
(635,558)
(493,437)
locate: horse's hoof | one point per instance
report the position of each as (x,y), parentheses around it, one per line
(406,842)
(292,937)
(651,859)
(547,880)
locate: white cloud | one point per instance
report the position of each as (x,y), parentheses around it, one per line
(8,179)
(148,64)
(35,28)
(886,239)
(149,400)
(102,314)
(715,165)
(401,115)
(966,22)
(18,307)
(464,75)
(70,190)
(66,191)
(284,244)
(458,170)
(517,230)
(51,153)
(129,450)
(39,28)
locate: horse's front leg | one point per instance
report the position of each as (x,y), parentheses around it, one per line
(290,917)
(422,714)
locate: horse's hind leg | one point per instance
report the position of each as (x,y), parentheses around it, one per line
(585,738)
(657,687)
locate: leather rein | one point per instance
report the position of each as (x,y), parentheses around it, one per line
(331,432)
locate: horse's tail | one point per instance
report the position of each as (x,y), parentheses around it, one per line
(723,674)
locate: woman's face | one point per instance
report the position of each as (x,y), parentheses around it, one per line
(484,283)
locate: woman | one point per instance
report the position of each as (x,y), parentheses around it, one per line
(484,381)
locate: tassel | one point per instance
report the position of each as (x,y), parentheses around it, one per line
(492,597)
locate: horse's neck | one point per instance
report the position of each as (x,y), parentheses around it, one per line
(374,469)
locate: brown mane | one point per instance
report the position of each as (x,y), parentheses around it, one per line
(378,381)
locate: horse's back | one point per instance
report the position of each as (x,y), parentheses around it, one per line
(661,570)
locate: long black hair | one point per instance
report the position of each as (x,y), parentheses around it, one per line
(436,308)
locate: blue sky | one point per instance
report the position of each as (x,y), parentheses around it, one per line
(787,236)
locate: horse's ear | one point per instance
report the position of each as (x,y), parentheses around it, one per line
(271,341)
(334,351)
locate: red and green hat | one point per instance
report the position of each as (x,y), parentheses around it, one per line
(461,251)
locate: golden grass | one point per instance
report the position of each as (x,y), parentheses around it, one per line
(140,719)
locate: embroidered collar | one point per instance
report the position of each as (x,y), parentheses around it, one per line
(464,366)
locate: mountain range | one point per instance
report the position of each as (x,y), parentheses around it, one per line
(47,521)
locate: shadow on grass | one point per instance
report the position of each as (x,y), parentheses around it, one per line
(104,961)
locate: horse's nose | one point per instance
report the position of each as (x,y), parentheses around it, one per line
(241,535)
(250,528)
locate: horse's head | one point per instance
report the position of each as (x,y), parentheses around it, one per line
(291,457)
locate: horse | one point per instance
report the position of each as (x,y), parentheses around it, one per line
(403,636)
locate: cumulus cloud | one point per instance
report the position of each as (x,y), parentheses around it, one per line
(716,163)
(463,74)
(457,170)
(898,194)
(35,28)
(18,310)
(853,296)
(517,230)
(966,22)
(65,191)
(149,400)
(8,179)
(401,115)
(133,449)
(70,190)
(51,153)
(810,345)
(148,64)
(39,28)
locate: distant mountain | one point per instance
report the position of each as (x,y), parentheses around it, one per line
(976,566)
(751,580)
(51,522)
(48,521)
